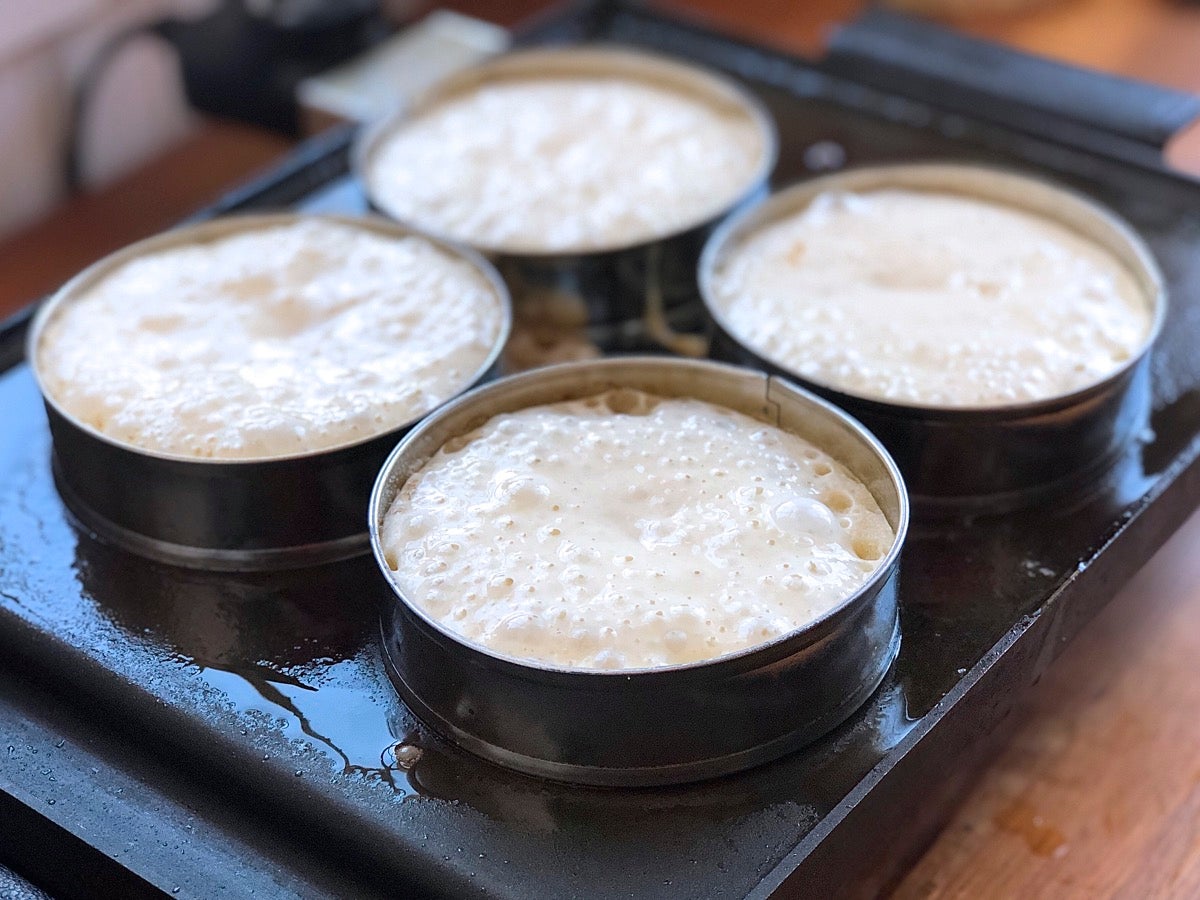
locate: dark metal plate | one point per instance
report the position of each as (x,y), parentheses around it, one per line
(258,705)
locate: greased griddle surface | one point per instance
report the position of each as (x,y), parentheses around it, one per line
(272,686)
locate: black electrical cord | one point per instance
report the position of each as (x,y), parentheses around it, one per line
(237,63)
(83,91)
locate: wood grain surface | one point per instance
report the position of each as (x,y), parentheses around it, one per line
(1098,793)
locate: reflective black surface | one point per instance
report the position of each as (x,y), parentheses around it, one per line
(272,686)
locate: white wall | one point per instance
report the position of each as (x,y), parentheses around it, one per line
(135,114)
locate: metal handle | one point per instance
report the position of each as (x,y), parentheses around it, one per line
(905,55)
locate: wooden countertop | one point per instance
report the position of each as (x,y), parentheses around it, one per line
(1098,792)
(192,174)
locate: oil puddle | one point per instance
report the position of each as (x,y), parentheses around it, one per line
(290,653)
(1022,820)
(347,720)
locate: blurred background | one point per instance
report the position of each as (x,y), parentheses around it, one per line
(92,89)
(109,74)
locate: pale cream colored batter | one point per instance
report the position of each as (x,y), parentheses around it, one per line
(628,531)
(270,342)
(932,299)
(567,163)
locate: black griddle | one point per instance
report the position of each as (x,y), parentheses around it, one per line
(178,733)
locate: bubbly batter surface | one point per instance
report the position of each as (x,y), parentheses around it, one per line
(567,163)
(933,299)
(629,531)
(270,342)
